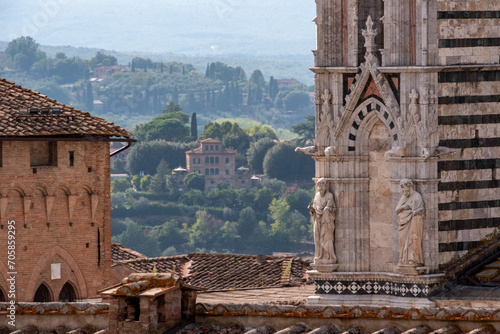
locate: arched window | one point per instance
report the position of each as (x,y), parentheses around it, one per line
(42,294)
(206,160)
(211,160)
(217,171)
(206,171)
(3,297)
(216,160)
(211,171)
(67,293)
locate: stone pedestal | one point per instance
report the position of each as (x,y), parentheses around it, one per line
(324,268)
(372,289)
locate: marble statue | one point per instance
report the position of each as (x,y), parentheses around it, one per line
(411,213)
(323,211)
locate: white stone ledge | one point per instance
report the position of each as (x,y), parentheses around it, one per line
(345,180)
(378,276)
(367,300)
(418,180)
(319,69)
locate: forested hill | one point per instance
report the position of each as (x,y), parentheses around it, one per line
(282,66)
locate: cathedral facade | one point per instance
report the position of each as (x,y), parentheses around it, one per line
(408,90)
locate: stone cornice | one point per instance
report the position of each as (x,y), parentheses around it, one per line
(410,69)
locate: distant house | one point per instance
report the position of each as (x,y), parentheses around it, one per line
(104,72)
(218,165)
(288,83)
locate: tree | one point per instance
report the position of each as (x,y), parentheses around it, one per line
(237,139)
(247,222)
(118,167)
(257,152)
(212,130)
(120,185)
(194,197)
(283,163)
(170,126)
(145,156)
(135,238)
(101,59)
(169,234)
(297,100)
(157,184)
(24,52)
(306,129)
(53,90)
(194,127)
(273,88)
(256,86)
(299,201)
(195,181)
(261,131)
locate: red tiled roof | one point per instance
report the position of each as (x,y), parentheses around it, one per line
(228,271)
(120,253)
(210,140)
(70,122)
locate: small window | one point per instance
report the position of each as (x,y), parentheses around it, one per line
(216,160)
(212,171)
(71,158)
(67,293)
(243,181)
(216,147)
(42,294)
(227,171)
(207,171)
(227,160)
(217,171)
(206,160)
(212,182)
(43,153)
(211,147)
(211,160)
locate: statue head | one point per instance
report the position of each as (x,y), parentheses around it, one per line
(322,186)
(407,186)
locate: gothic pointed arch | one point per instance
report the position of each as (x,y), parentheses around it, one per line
(68,293)
(371,80)
(3,296)
(360,118)
(42,294)
(80,285)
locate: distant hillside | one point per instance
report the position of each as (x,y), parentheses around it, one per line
(284,66)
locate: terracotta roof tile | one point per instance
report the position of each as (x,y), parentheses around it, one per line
(228,271)
(70,122)
(120,253)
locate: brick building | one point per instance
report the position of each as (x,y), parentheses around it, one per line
(217,163)
(55,186)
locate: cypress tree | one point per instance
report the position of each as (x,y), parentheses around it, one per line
(194,127)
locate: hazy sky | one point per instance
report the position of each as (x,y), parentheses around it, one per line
(187,26)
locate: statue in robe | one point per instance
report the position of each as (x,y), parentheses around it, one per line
(323,211)
(410,210)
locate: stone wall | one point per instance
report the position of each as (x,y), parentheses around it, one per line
(62,216)
(469,101)
(47,316)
